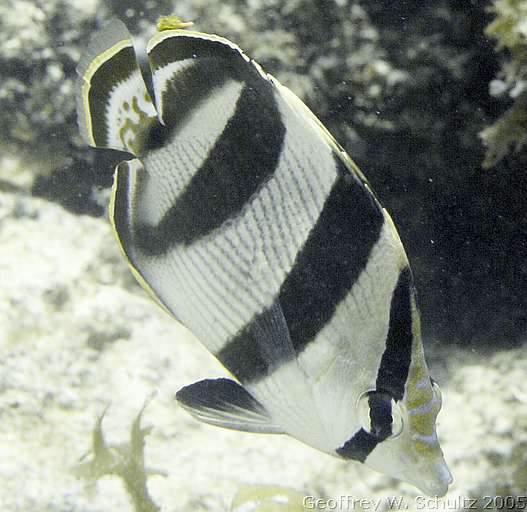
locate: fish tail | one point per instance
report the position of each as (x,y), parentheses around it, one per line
(113,104)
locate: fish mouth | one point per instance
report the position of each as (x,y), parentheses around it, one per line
(436,482)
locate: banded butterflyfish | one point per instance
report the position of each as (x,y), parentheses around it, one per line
(248,223)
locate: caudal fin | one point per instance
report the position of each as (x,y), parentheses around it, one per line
(113,104)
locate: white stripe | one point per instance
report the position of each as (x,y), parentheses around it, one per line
(294,411)
(423,383)
(237,270)
(422,409)
(162,76)
(356,333)
(430,440)
(172,166)
(128,91)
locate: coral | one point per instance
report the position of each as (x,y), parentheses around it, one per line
(58,278)
(40,43)
(509,132)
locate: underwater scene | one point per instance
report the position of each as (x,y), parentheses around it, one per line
(263,255)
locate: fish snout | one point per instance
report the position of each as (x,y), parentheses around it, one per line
(435,480)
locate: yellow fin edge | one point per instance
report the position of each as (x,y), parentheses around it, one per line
(88,75)
(137,275)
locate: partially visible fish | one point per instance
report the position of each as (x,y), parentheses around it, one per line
(246,221)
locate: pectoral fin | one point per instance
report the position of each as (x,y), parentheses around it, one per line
(224,403)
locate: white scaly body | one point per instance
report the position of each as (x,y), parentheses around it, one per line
(246,221)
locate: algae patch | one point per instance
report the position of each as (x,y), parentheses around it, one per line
(126,461)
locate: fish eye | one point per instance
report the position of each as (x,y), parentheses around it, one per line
(379,414)
(437,392)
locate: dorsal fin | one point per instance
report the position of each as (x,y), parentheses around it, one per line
(187,67)
(113,104)
(224,403)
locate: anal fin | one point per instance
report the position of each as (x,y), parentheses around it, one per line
(225,403)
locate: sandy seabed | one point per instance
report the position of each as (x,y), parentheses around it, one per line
(77,334)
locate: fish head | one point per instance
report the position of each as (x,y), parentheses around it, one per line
(402,436)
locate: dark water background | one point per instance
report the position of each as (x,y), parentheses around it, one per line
(404,86)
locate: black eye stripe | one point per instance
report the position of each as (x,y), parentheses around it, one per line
(380,415)
(358,447)
(363,442)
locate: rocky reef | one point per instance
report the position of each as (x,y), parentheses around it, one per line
(79,338)
(428,97)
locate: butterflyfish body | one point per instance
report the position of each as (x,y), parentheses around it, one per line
(246,221)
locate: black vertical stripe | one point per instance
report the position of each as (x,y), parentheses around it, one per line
(243,356)
(334,255)
(213,63)
(381,420)
(260,347)
(181,47)
(395,362)
(110,73)
(242,160)
(325,269)
(358,447)
(184,92)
